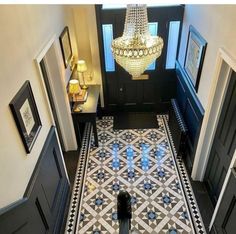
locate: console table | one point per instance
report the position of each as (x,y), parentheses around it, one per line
(88,113)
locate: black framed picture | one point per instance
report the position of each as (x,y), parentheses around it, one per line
(194,57)
(65,46)
(26,115)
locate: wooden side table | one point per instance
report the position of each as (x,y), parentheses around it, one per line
(88,113)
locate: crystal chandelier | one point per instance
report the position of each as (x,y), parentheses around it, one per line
(136,49)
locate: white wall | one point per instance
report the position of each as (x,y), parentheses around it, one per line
(25,29)
(216,23)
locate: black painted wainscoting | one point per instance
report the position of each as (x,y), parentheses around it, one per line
(192,112)
(41,210)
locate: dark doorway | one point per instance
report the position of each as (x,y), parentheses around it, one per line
(121,93)
(224,143)
(52,105)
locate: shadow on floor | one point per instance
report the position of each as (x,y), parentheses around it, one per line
(71,161)
(203,200)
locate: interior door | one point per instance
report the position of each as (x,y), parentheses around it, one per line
(224,143)
(225,218)
(121,93)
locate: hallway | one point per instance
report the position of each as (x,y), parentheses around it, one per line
(37,183)
(142,162)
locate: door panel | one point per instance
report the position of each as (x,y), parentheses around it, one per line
(130,93)
(225,218)
(120,91)
(224,143)
(222,175)
(113,95)
(51,187)
(149,91)
(42,208)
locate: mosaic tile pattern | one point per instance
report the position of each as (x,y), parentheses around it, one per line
(141,162)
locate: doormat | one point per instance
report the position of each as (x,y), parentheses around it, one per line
(135,120)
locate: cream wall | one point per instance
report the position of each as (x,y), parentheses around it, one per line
(216,23)
(87,42)
(25,29)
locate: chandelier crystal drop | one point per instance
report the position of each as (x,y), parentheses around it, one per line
(136,49)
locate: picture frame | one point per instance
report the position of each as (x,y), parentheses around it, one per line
(194,57)
(65,46)
(26,116)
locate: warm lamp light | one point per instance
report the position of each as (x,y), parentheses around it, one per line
(74,88)
(81,68)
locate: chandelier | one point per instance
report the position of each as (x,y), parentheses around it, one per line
(136,49)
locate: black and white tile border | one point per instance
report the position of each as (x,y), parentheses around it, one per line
(191,200)
(78,184)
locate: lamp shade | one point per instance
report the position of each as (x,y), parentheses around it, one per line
(81,66)
(74,87)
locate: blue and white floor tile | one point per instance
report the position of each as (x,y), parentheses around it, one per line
(142,162)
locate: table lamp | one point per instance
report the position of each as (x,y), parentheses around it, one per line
(74,88)
(81,68)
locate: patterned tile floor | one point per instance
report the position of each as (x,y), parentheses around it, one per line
(141,162)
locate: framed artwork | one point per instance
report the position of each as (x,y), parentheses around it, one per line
(26,115)
(65,46)
(195,52)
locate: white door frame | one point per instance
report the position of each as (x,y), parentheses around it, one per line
(225,63)
(232,164)
(67,132)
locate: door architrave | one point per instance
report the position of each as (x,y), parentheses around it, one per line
(72,145)
(225,64)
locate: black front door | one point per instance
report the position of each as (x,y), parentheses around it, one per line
(121,93)
(224,143)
